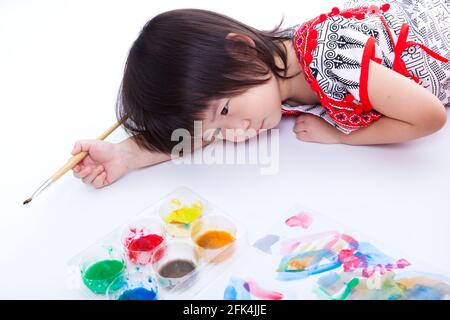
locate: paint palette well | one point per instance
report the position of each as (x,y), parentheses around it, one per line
(172,249)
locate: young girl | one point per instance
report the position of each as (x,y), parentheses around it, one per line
(373,72)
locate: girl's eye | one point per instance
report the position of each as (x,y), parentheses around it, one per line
(224,110)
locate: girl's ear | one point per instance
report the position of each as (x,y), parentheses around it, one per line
(240,46)
(241,37)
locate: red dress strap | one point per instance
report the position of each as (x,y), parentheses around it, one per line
(402,44)
(368,54)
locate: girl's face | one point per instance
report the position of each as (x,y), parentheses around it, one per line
(257,109)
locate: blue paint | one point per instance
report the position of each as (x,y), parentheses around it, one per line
(265,243)
(138,294)
(420,292)
(298,275)
(293,275)
(322,261)
(372,256)
(394,296)
(230,293)
(328,280)
(354,245)
(236,290)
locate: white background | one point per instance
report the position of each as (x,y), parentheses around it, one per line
(61,63)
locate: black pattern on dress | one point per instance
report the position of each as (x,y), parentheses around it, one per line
(345,42)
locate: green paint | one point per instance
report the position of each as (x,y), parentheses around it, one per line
(100,275)
(323,294)
(350,286)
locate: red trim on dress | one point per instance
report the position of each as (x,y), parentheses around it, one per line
(402,44)
(368,54)
(290,113)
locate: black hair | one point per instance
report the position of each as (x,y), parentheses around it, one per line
(181,61)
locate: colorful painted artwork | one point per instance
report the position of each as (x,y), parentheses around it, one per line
(316,259)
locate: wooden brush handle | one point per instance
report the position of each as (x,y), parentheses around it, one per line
(80,156)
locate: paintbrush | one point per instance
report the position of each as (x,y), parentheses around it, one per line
(70,164)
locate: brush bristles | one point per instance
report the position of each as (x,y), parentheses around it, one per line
(27,201)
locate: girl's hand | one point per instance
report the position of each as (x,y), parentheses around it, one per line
(311,128)
(104,164)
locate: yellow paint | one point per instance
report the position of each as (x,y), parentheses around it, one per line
(214,239)
(300,263)
(184,215)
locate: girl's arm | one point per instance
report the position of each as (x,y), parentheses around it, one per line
(410,111)
(138,158)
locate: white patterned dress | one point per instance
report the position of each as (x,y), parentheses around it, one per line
(411,37)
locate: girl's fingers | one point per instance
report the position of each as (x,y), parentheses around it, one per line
(82,145)
(302,135)
(299,127)
(83,172)
(300,124)
(100,180)
(76,149)
(94,173)
(89,161)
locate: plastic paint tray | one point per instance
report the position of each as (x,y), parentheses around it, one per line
(161,267)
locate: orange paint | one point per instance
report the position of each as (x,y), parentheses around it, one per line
(214,239)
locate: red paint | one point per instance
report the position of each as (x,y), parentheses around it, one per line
(349,261)
(145,243)
(140,246)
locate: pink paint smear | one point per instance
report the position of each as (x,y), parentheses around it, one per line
(262,293)
(302,219)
